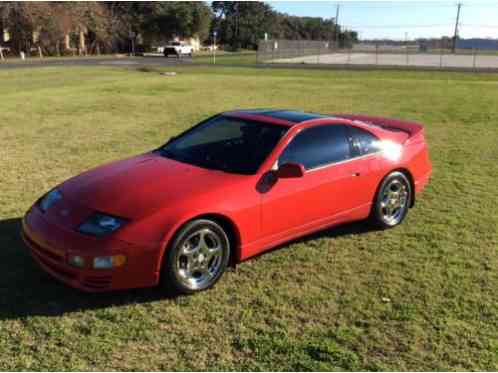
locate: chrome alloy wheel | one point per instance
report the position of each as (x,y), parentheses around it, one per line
(394,201)
(199,259)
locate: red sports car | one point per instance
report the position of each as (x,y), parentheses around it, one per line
(231,187)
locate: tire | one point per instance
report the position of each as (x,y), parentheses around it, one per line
(197,258)
(392,201)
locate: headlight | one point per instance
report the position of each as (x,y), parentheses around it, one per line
(49,199)
(76,261)
(108,262)
(101,224)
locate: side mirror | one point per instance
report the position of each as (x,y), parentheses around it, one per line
(290,170)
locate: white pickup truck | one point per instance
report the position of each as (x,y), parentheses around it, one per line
(178,49)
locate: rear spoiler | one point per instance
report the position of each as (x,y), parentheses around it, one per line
(411,128)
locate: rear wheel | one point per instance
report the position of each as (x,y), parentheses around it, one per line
(392,201)
(197,258)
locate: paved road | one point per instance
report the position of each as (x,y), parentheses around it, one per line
(109,61)
(361,61)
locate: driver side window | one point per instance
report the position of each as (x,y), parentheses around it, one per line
(317,146)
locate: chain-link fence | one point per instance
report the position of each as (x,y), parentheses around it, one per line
(281,50)
(414,54)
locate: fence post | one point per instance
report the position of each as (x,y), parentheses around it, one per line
(376,54)
(440,58)
(474,59)
(1,54)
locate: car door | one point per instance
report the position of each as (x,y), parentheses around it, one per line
(365,153)
(294,205)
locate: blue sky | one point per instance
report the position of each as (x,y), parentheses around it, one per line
(400,19)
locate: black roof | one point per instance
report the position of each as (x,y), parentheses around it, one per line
(293,116)
(288,115)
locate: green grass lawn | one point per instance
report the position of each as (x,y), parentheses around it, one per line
(422,296)
(226,58)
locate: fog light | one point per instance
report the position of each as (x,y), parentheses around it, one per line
(108,262)
(77,261)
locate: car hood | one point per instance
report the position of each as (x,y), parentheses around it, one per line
(138,186)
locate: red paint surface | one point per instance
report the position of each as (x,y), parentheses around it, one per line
(159,195)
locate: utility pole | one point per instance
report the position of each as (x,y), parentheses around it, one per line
(337,26)
(455,35)
(215,32)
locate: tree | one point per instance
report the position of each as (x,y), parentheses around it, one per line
(307,28)
(242,24)
(165,20)
(157,22)
(57,27)
(347,38)
(48,25)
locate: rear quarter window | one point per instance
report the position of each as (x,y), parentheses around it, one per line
(362,142)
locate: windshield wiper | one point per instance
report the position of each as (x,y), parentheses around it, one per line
(203,162)
(214,164)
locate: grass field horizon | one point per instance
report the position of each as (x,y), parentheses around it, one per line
(418,297)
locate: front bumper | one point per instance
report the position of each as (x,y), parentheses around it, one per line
(51,245)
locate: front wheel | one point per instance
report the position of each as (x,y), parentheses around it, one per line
(392,201)
(197,258)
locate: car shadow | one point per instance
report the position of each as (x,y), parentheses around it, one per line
(345,229)
(25,290)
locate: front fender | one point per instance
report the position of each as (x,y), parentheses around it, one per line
(173,229)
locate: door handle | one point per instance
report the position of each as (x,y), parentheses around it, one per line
(356,174)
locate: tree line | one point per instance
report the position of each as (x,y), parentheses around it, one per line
(242,24)
(57,28)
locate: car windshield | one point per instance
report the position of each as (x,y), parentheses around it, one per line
(228,144)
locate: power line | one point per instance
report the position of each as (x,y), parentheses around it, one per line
(479,26)
(337,26)
(448,26)
(393,5)
(399,26)
(419,4)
